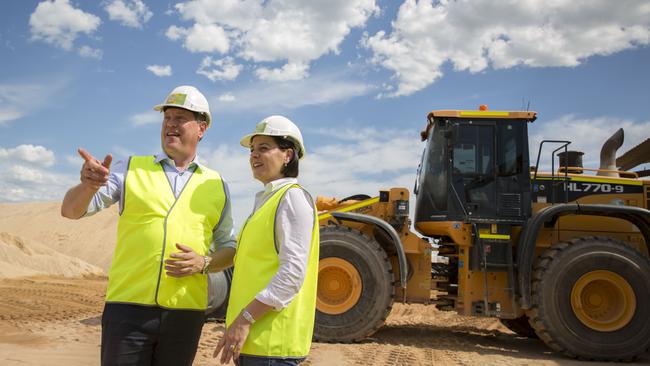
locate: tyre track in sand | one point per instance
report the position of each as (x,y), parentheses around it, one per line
(46,299)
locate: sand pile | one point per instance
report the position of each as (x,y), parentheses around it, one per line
(20,258)
(91,239)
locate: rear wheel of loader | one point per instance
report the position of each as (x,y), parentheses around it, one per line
(591,299)
(520,326)
(355,286)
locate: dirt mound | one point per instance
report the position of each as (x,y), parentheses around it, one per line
(91,239)
(20,258)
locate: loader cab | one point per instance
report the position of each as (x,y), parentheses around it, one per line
(475,167)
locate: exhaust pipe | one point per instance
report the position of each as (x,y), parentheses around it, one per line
(608,154)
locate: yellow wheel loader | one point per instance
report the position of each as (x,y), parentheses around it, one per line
(561,255)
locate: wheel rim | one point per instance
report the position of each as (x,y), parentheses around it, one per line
(603,300)
(339,286)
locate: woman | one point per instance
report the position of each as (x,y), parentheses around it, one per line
(271,310)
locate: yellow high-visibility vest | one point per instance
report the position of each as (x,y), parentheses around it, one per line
(286,333)
(152,221)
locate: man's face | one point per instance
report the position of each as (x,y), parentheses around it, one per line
(181,133)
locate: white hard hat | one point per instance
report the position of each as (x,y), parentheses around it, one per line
(277,126)
(187,97)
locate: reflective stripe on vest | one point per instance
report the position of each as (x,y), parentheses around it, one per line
(286,333)
(150,225)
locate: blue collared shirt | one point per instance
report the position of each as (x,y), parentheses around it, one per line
(223,235)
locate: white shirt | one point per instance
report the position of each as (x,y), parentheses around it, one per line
(293,230)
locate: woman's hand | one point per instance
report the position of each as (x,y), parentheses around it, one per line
(185,263)
(233,340)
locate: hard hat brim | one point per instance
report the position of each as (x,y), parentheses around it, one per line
(160,107)
(246,142)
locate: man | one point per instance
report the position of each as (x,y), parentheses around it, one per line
(172,209)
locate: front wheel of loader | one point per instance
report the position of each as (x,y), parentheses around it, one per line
(355,286)
(591,299)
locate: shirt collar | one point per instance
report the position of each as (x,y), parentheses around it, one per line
(275,184)
(163,157)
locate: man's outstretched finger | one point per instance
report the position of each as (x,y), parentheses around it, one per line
(91,163)
(85,155)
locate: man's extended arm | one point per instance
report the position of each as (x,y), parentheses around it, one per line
(93,175)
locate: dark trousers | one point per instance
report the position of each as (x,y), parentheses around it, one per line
(143,336)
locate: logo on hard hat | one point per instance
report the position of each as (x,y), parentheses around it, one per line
(176,99)
(261,127)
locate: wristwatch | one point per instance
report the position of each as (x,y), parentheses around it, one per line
(249,318)
(206,263)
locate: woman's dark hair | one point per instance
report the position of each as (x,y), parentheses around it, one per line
(291,169)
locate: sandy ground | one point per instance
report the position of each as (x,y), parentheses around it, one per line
(52,284)
(56,321)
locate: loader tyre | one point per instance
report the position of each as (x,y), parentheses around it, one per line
(218,294)
(520,326)
(591,299)
(355,286)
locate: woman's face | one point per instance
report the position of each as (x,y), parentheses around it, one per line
(267,159)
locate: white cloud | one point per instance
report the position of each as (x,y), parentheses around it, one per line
(18,100)
(237,14)
(294,31)
(25,175)
(160,70)
(475,35)
(175,33)
(146,118)
(37,155)
(586,135)
(59,23)
(227,97)
(74,160)
(290,71)
(201,37)
(9,114)
(303,31)
(321,88)
(86,51)
(223,69)
(131,13)
(23,183)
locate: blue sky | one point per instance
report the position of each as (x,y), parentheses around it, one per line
(357,76)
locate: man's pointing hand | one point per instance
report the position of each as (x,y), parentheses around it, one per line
(94,173)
